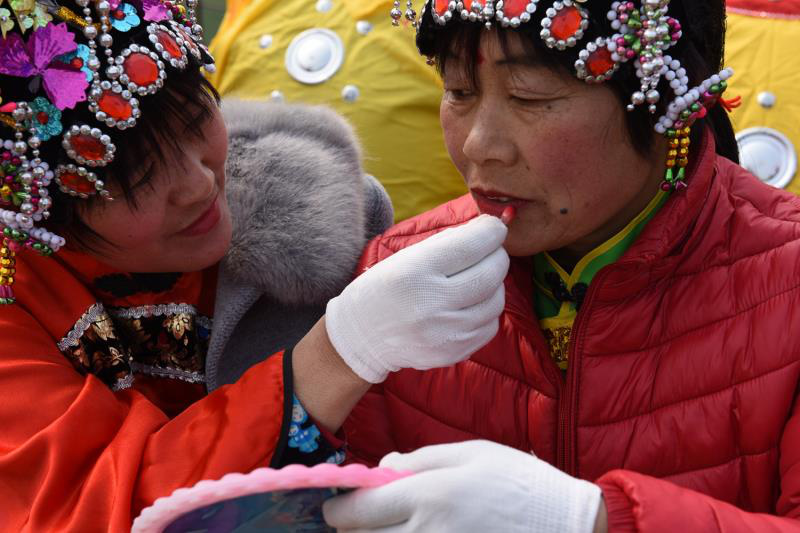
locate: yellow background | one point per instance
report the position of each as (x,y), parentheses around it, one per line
(764,55)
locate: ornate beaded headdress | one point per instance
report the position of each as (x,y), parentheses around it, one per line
(56,57)
(643,36)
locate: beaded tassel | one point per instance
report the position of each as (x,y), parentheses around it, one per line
(677,159)
(7,271)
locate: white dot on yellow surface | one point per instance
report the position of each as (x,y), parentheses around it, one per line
(363,27)
(265,41)
(277,96)
(767,99)
(323,6)
(350,93)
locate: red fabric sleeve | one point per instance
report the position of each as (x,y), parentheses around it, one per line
(75,456)
(637,502)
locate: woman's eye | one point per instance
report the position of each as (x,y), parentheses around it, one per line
(526,101)
(458,95)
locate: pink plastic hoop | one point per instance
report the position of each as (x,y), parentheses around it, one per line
(164,511)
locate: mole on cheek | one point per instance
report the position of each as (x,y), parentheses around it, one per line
(564,211)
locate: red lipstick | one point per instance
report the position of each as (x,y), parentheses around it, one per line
(498,204)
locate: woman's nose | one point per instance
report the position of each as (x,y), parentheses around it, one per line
(193,183)
(488,139)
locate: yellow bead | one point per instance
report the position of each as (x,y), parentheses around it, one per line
(682,162)
(672,154)
(683,152)
(674,143)
(685,141)
(671,163)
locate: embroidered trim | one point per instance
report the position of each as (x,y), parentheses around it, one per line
(72,338)
(123,383)
(162,310)
(166,372)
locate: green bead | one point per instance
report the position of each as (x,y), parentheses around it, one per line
(723,85)
(714,89)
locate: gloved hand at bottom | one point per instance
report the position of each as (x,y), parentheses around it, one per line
(476,486)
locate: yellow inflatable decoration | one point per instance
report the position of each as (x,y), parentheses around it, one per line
(346,54)
(762,48)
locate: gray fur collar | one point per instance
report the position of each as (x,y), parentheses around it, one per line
(297,195)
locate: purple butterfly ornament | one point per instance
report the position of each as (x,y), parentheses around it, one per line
(64,85)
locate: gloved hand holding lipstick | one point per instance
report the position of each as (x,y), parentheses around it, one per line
(430,305)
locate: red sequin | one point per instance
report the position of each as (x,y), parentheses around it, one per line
(141,69)
(115,106)
(77,183)
(118,14)
(170,45)
(42,117)
(441,6)
(514,8)
(88,147)
(599,62)
(76,63)
(566,23)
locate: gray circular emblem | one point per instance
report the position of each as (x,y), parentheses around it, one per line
(314,56)
(768,154)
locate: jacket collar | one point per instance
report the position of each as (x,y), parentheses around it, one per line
(657,251)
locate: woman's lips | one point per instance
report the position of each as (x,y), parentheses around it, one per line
(204,222)
(495,203)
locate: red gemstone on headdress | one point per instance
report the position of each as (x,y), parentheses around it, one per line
(42,117)
(515,8)
(141,69)
(566,23)
(88,147)
(118,14)
(170,44)
(115,106)
(76,182)
(76,63)
(599,62)
(441,6)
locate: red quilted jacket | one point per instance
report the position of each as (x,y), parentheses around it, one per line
(681,396)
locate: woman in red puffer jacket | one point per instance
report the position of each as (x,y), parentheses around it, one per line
(648,358)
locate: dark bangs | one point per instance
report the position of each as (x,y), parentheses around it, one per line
(700,51)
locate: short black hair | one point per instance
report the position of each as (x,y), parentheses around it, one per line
(700,51)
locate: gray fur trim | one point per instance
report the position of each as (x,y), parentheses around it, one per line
(297,195)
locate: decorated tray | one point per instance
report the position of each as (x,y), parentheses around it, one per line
(286,500)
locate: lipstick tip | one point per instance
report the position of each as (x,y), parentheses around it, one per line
(508,215)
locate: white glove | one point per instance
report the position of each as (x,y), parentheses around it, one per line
(475,486)
(429,305)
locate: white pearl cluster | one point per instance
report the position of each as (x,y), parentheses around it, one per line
(688,99)
(28,215)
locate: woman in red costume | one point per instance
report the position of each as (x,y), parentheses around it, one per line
(645,376)
(116,387)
